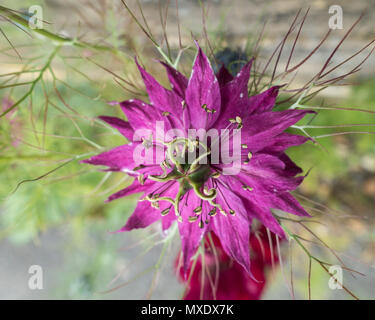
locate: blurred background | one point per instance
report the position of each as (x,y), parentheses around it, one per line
(53,86)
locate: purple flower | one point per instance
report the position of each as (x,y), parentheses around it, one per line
(199,196)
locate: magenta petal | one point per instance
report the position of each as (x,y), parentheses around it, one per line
(135,187)
(287,203)
(237,89)
(161,98)
(234,232)
(264,215)
(143,216)
(116,159)
(190,232)
(265,101)
(284,141)
(234,97)
(223,76)
(122,126)
(178,81)
(291,169)
(203,89)
(259,130)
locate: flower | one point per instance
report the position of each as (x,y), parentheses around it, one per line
(221,272)
(206,197)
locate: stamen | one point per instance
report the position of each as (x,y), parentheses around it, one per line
(166,113)
(244,146)
(232,212)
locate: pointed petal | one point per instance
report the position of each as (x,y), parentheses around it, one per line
(259,130)
(116,159)
(234,97)
(178,81)
(284,141)
(143,216)
(135,187)
(190,232)
(203,89)
(161,98)
(122,126)
(264,215)
(237,89)
(223,76)
(264,101)
(234,232)
(287,203)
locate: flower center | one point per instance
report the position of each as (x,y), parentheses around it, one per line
(185,163)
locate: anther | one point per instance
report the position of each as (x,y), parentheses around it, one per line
(193,218)
(166,113)
(247,188)
(198,210)
(165,211)
(215,175)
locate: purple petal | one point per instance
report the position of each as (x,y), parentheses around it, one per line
(190,232)
(264,215)
(260,130)
(116,159)
(234,97)
(264,101)
(143,216)
(135,187)
(178,81)
(122,126)
(237,89)
(161,98)
(234,232)
(223,76)
(284,141)
(203,89)
(287,203)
